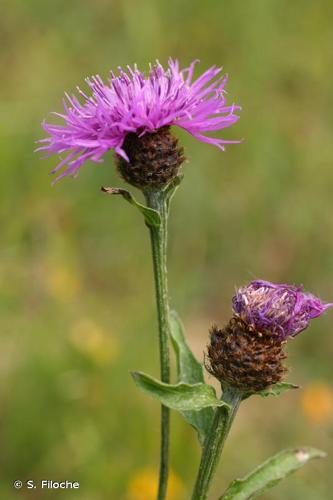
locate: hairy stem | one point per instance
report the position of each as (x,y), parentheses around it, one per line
(214,443)
(158,235)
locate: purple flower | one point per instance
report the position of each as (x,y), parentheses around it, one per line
(283,310)
(131,102)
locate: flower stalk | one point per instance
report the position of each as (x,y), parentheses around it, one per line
(215,440)
(158,200)
(131,115)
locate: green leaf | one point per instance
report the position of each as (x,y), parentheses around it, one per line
(181,397)
(277,389)
(189,371)
(270,473)
(274,390)
(152,217)
(172,187)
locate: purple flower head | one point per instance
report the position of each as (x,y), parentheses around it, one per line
(133,102)
(282,310)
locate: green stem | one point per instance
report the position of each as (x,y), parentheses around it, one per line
(158,235)
(214,443)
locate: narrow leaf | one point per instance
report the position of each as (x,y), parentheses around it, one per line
(172,187)
(190,371)
(270,473)
(181,397)
(275,390)
(152,217)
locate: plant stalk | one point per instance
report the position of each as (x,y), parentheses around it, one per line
(214,443)
(158,236)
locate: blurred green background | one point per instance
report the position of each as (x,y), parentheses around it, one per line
(77,306)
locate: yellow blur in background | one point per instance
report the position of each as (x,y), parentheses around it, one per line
(317,403)
(144,484)
(98,344)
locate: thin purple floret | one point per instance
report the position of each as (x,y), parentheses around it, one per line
(280,309)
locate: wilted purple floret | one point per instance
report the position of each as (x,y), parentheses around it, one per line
(131,102)
(284,310)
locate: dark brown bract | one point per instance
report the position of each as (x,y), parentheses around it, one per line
(243,358)
(154,159)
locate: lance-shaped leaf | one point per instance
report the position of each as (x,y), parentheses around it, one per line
(188,368)
(152,217)
(189,371)
(274,390)
(181,397)
(172,187)
(270,473)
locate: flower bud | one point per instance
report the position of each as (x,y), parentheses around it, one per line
(248,352)
(242,358)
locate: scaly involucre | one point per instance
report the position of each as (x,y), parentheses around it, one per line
(280,309)
(131,102)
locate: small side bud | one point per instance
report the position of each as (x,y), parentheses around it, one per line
(154,159)
(248,352)
(245,359)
